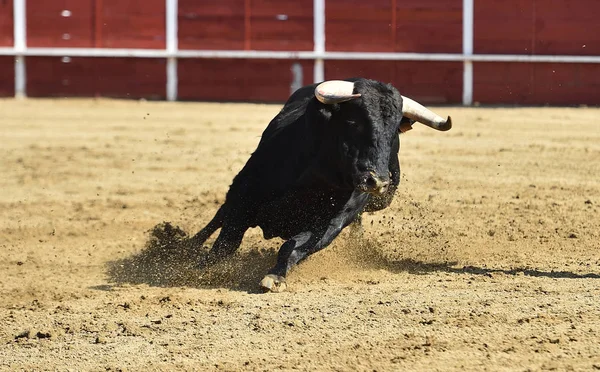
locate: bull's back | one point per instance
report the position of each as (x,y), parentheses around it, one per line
(283,155)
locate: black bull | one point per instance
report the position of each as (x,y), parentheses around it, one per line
(328,156)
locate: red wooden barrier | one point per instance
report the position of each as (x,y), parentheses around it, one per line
(432,82)
(245,24)
(530,27)
(7,63)
(281,25)
(211,25)
(130,24)
(429,26)
(60,23)
(7,76)
(567,27)
(537,27)
(238,79)
(112,77)
(394,26)
(6,23)
(356,25)
(96,23)
(536,83)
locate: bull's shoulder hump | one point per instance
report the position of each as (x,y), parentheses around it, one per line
(289,116)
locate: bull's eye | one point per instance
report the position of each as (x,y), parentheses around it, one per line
(354,123)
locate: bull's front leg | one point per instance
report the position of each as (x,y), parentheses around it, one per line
(306,243)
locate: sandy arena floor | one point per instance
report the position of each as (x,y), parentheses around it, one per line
(488,259)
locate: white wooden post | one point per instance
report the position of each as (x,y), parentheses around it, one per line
(172,47)
(319,39)
(20,47)
(467,52)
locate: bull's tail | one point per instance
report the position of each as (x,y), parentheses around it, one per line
(215,224)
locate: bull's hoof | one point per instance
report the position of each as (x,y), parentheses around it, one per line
(273,283)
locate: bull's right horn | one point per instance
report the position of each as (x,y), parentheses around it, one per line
(335,91)
(415,111)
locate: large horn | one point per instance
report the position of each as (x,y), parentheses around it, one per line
(415,111)
(335,91)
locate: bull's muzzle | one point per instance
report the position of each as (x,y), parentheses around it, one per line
(373,184)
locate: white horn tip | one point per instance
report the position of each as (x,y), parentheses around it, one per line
(445,125)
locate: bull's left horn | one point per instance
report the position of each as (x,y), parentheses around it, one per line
(335,91)
(415,111)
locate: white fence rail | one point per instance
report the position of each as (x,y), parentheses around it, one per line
(172,53)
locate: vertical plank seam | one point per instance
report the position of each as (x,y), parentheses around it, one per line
(247,24)
(98,23)
(394,25)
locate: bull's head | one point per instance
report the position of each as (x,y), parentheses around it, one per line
(367,120)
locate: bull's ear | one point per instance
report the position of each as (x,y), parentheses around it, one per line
(405,125)
(335,91)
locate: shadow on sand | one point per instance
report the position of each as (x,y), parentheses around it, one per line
(168,260)
(367,252)
(417,267)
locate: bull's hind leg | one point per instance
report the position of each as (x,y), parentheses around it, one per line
(227,242)
(214,224)
(229,238)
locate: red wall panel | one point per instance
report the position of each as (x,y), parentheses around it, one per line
(245,24)
(238,79)
(502,82)
(99,23)
(567,27)
(357,25)
(502,28)
(429,26)
(113,77)
(281,25)
(378,70)
(517,27)
(211,25)
(6,23)
(394,25)
(7,76)
(537,27)
(131,24)
(60,23)
(427,82)
(537,83)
